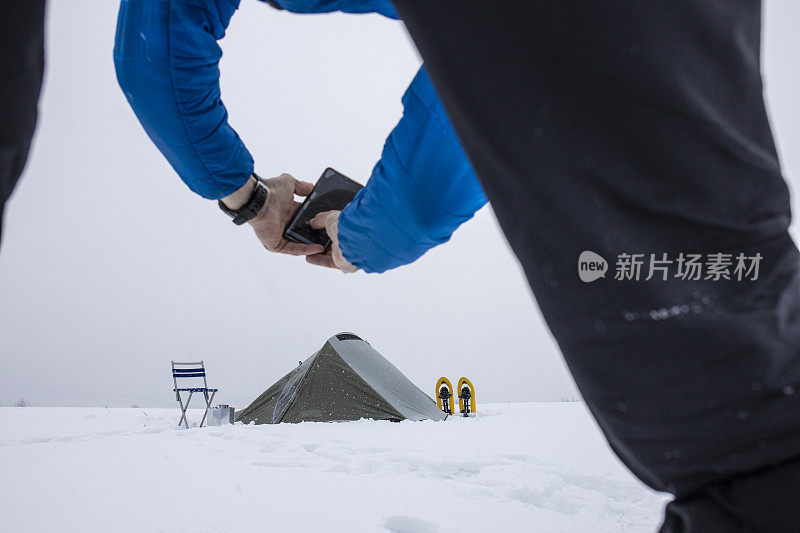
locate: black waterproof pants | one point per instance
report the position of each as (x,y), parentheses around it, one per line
(21,68)
(765,501)
(637,131)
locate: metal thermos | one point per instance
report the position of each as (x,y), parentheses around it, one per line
(221,414)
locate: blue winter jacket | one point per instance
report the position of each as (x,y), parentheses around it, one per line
(167,62)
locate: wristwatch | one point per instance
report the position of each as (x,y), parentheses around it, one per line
(251,208)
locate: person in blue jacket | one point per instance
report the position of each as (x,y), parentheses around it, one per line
(422,188)
(627,129)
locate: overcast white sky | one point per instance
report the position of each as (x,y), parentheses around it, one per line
(110,267)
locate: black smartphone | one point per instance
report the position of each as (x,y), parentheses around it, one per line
(333,191)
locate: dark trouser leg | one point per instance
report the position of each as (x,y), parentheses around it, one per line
(21,68)
(632,127)
(764,501)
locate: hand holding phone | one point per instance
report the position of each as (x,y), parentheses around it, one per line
(332,192)
(334,258)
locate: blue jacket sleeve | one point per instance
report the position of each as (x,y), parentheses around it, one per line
(419,192)
(383,7)
(166,56)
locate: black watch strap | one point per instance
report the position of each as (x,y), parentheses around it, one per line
(249,210)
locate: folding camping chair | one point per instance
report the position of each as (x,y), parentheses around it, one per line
(191,370)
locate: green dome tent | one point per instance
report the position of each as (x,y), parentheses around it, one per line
(346,379)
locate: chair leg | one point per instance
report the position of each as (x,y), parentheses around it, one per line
(183,410)
(208,406)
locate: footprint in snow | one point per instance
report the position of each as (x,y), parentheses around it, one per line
(409,524)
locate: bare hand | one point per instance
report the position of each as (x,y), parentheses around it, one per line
(276,213)
(334,258)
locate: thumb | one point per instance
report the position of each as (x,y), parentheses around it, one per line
(318,222)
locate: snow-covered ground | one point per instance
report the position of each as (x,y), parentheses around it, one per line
(540,467)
